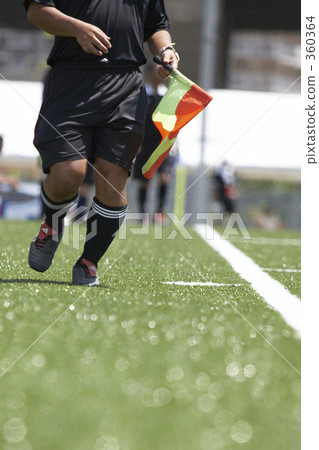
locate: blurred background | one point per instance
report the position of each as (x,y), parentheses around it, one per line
(245,52)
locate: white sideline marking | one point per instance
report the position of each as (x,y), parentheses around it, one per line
(268,241)
(281,270)
(271,290)
(198,283)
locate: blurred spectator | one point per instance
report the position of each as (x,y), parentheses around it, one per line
(12,182)
(267,219)
(155,91)
(225,183)
(6,183)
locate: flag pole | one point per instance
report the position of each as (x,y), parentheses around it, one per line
(207,78)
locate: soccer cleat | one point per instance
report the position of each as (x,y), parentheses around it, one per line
(43,248)
(85,272)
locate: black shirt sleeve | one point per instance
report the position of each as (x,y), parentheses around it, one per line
(156,19)
(128,22)
(41,2)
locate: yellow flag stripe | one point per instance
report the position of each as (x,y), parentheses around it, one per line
(160,150)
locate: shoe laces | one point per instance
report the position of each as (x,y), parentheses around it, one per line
(40,243)
(45,235)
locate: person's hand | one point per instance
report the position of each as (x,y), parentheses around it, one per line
(92,39)
(170,58)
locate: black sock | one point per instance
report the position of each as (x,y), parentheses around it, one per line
(55,211)
(142,198)
(102,225)
(161,196)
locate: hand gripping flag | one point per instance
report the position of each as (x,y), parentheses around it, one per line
(182,101)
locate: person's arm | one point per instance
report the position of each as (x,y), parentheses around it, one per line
(158,40)
(50,19)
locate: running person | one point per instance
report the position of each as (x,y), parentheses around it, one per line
(93,109)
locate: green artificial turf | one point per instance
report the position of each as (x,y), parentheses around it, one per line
(137,364)
(279,250)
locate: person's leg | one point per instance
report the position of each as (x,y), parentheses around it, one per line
(64,179)
(116,142)
(85,191)
(110,183)
(162,190)
(83,195)
(162,187)
(59,192)
(60,189)
(105,217)
(142,195)
(78,213)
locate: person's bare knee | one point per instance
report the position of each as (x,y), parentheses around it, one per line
(110,183)
(64,179)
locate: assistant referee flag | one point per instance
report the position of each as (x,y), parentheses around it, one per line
(182,101)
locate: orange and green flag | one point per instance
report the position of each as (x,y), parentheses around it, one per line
(182,101)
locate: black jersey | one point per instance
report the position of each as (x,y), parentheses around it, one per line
(128,23)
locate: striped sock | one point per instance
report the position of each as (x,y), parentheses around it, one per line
(102,225)
(55,211)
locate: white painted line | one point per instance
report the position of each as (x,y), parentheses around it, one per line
(198,283)
(281,270)
(267,241)
(271,290)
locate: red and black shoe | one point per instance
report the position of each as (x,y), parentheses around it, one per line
(43,248)
(85,272)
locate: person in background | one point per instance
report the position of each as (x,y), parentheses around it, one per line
(155,90)
(268,219)
(12,182)
(6,182)
(225,182)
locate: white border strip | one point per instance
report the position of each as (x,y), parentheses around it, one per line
(269,269)
(198,283)
(268,241)
(271,290)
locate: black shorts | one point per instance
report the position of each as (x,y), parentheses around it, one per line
(89,113)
